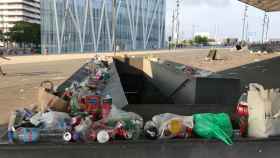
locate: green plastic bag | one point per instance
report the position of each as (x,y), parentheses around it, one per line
(213,126)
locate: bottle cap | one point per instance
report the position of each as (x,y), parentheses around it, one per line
(67,136)
(103,137)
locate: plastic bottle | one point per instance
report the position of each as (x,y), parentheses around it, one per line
(11,127)
(55,136)
(150,130)
(26,135)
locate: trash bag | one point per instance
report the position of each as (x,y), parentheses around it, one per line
(212,126)
(264,111)
(171,126)
(128,121)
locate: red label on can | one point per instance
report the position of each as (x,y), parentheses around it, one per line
(92,103)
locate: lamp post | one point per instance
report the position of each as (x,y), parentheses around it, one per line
(114,26)
(244,23)
(263,27)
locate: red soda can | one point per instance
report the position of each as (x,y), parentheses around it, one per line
(76,121)
(242,110)
(106,109)
(92,103)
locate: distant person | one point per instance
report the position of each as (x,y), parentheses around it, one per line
(46,51)
(238,47)
(3,57)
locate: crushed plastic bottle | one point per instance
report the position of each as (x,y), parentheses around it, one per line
(55,136)
(26,135)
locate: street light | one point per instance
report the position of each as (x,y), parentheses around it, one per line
(114,26)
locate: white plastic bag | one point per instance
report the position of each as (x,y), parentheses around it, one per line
(171,125)
(118,114)
(264,112)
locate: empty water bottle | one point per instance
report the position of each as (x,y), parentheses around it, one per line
(55,136)
(26,135)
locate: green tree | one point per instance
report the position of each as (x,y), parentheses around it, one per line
(25,33)
(201,40)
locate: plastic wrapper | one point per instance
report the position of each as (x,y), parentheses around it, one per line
(117,114)
(171,126)
(55,120)
(131,122)
(214,126)
(119,125)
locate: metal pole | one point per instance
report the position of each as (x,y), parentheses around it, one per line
(178,22)
(2,26)
(247,32)
(244,22)
(173,25)
(267,27)
(114,26)
(263,29)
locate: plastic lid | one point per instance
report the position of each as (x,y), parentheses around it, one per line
(67,136)
(103,137)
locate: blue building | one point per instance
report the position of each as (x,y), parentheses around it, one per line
(70,26)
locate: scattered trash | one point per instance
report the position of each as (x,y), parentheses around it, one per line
(213,55)
(82,113)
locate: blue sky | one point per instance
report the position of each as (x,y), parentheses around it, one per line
(224,16)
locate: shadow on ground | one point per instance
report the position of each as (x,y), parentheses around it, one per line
(38,73)
(265,72)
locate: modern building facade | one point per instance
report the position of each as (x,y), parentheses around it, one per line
(70,26)
(12,11)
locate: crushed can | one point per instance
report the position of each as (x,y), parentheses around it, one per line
(92,102)
(106,109)
(242,112)
(107,99)
(120,132)
(93,106)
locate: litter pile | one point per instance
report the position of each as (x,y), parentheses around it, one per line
(84,112)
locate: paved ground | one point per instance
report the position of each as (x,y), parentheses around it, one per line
(19,87)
